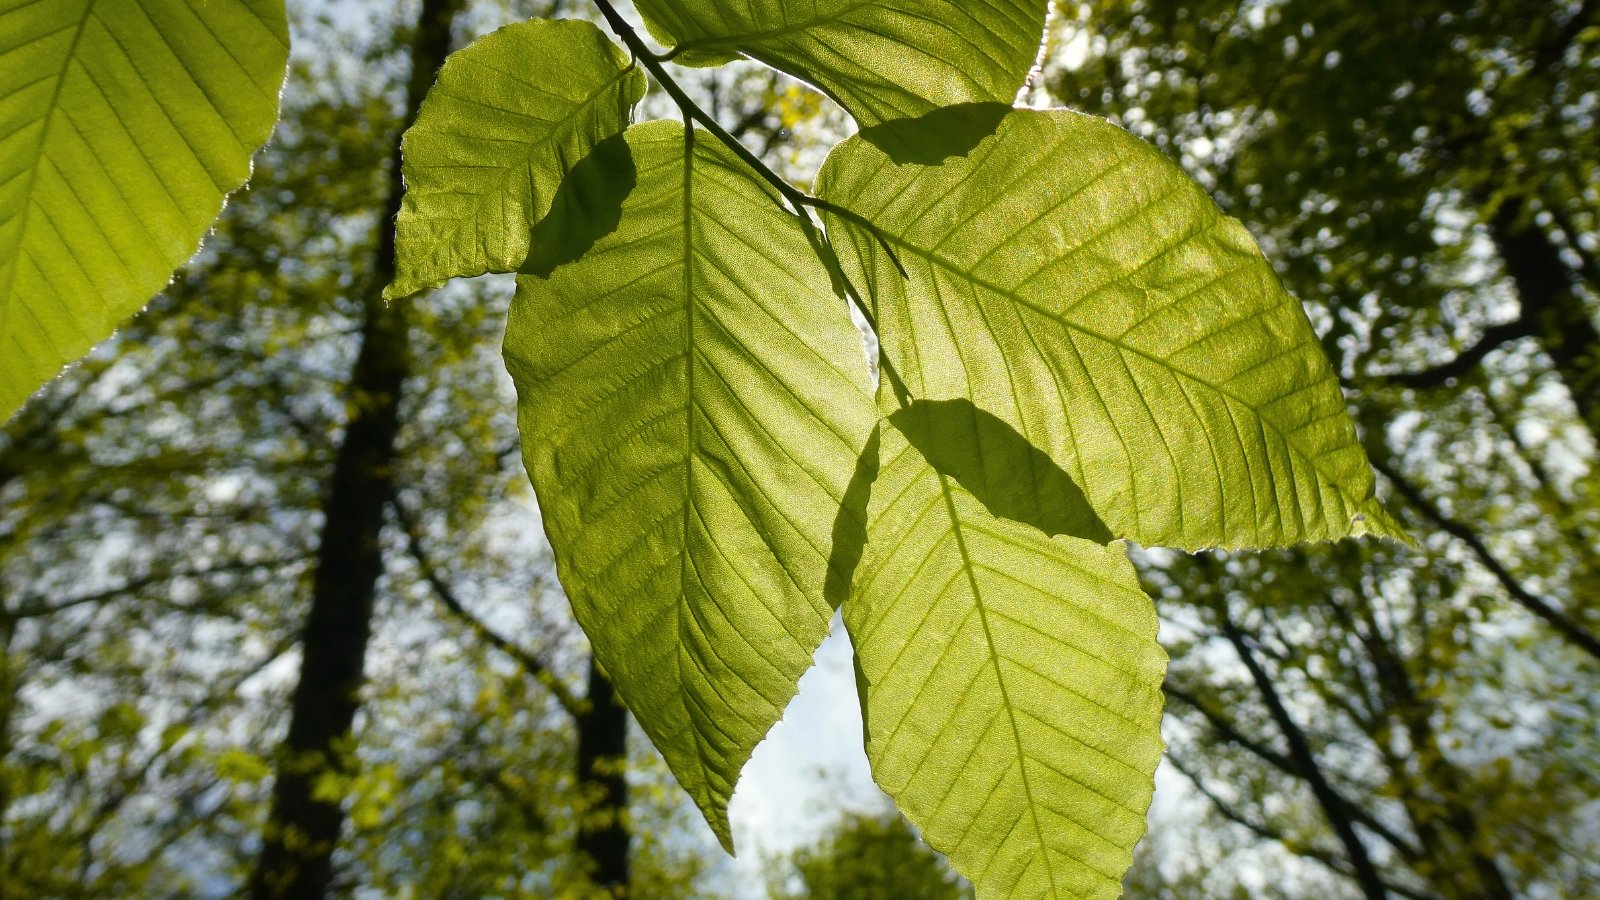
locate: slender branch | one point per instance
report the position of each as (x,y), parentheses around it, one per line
(531,664)
(799,200)
(652,62)
(39,606)
(1269,833)
(134,779)
(1568,627)
(1232,735)
(1494,337)
(1300,751)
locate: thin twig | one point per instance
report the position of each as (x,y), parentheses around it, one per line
(530,663)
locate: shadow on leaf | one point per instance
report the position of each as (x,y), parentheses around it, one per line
(586,208)
(933,137)
(1012,478)
(850,524)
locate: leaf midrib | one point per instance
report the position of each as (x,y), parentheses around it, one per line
(1289,441)
(8,295)
(685,564)
(969,568)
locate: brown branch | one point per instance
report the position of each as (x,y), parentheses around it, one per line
(1494,337)
(1268,833)
(1565,625)
(1232,735)
(1366,874)
(531,664)
(41,606)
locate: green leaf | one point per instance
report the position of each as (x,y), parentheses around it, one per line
(692,402)
(122,127)
(508,117)
(882,60)
(1069,280)
(1011,685)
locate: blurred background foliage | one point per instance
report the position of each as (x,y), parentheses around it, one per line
(1343,720)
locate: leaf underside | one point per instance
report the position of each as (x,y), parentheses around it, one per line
(1011,685)
(123,125)
(1066,278)
(507,119)
(692,402)
(880,59)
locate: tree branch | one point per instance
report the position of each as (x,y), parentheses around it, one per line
(1566,626)
(1494,337)
(1300,751)
(1267,832)
(1232,735)
(531,664)
(40,606)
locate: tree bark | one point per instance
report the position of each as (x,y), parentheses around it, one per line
(304,824)
(604,832)
(1551,305)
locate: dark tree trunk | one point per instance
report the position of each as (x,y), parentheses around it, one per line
(303,828)
(1551,305)
(603,828)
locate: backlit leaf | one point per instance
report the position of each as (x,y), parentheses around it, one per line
(1066,278)
(1011,685)
(122,127)
(882,60)
(507,118)
(692,402)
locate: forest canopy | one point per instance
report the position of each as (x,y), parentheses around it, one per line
(338,571)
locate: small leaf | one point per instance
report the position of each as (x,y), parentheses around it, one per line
(882,60)
(125,124)
(508,117)
(1011,685)
(1068,279)
(692,403)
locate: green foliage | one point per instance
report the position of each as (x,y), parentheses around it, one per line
(1111,314)
(125,124)
(1076,346)
(879,60)
(692,405)
(867,857)
(1011,685)
(507,119)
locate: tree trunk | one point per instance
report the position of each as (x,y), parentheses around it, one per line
(603,827)
(304,824)
(1551,305)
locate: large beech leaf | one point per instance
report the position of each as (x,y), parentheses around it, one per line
(881,59)
(506,120)
(1069,280)
(123,124)
(692,403)
(1011,685)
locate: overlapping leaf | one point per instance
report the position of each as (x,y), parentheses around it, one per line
(692,403)
(1066,278)
(499,130)
(881,59)
(1011,685)
(122,127)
